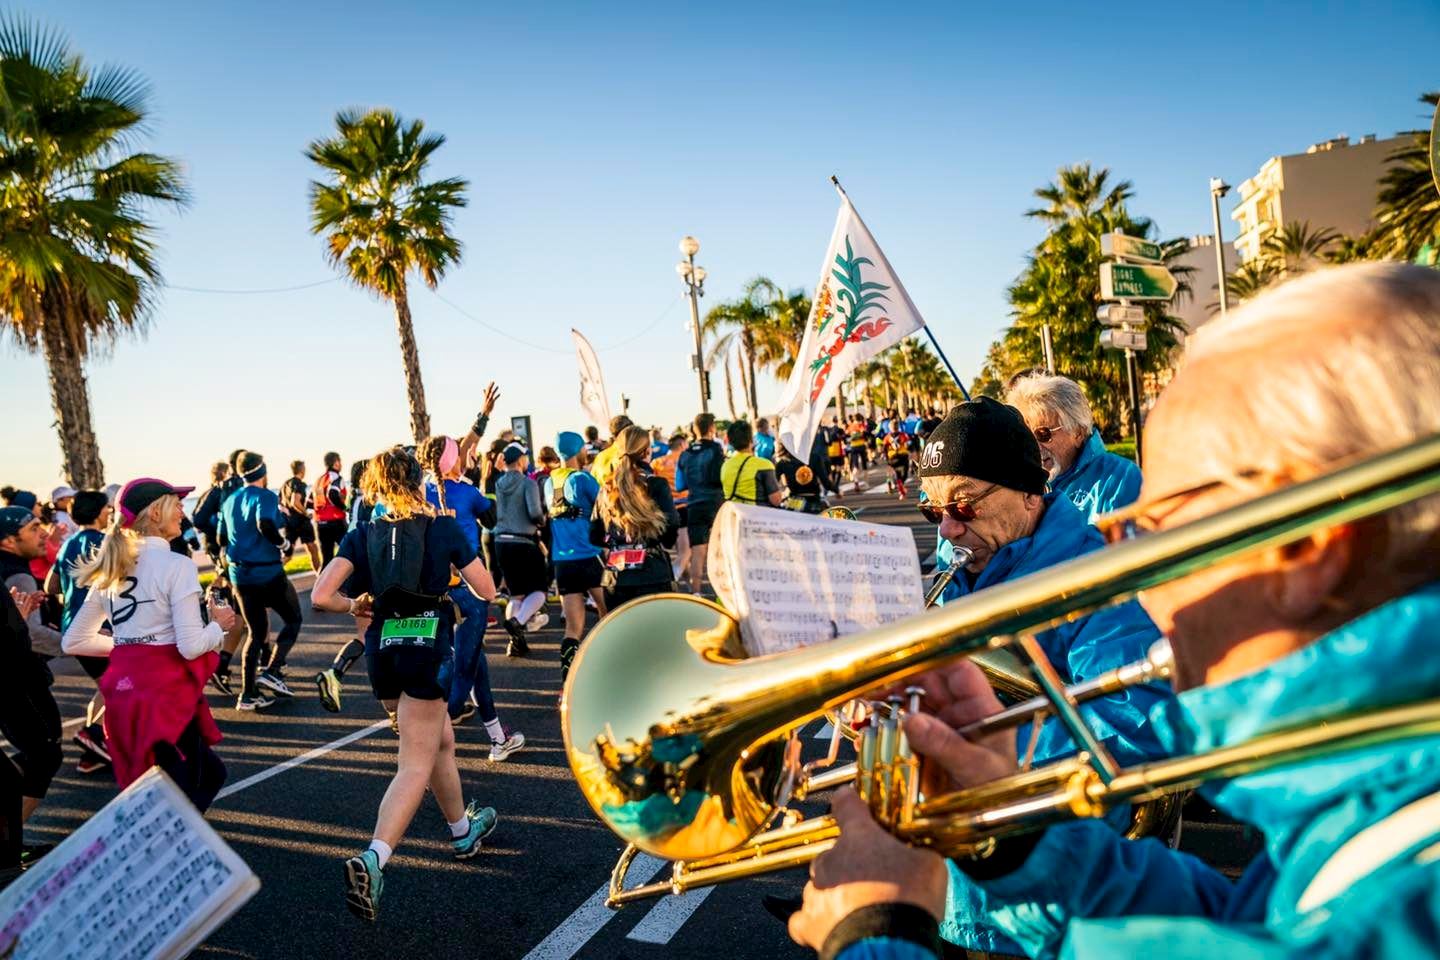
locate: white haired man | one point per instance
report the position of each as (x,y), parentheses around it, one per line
(1056,411)
(1335,365)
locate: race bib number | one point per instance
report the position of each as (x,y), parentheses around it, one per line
(624,558)
(409,632)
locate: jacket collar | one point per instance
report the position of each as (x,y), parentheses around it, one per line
(1061,534)
(1092,450)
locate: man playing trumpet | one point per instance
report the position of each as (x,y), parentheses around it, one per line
(1331,367)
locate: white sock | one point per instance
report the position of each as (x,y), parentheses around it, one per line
(497,732)
(382,851)
(526,608)
(460,827)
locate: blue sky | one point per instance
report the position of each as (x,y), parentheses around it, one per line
(595,136)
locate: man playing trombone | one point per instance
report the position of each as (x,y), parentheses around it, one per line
(1336,366)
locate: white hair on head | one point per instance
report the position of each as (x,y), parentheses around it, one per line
(1334,365)
(1060,397)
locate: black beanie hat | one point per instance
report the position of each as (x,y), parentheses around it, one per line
(987,440)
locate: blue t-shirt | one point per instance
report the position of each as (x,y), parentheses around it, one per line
(253,558)
(570,536)
(469,505)
(765,446)
(79,547)
(445,547)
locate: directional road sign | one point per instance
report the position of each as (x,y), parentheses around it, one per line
(1112,339)
(1117,315)
(1134,281)
(1129,248)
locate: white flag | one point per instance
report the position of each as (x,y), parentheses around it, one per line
(593,399)
(860,309)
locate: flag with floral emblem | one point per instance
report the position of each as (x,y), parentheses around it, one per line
(860,309)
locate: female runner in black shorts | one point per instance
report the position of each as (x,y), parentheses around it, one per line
(404,559)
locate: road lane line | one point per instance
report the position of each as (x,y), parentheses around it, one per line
(576,930)
(306,757)
(664,919)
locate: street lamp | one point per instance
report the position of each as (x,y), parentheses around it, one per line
(1218,189)
(694,279)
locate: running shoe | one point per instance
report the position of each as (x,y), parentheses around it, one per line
(91,764)
(364,882)
(91,739)
(466,713)
(537,622)
(512,743)
(517,647)
(482,824)
(276,682)
(261,701)
(221,682)
(329,686)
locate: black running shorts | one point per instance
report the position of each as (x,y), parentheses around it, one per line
(701,519)
(578,576)
(299,528)
(413,671)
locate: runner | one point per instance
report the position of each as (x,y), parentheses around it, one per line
(519,514)
(330,508)
(835,449)
(330,682)
(161,652)
(250,528)
(399,567)
(897,455)
(92,511)
(744,477)
(802,483)
(666,467)
(635,521)
(295,501)
(858,450)
(570,495)
(207,511)
(698,475)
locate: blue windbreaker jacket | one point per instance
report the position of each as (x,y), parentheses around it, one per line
(1098,481)
(1085,893)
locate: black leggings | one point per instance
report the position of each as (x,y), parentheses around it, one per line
(330,533)
(30,720)
(11,813)
(345,659)
(199,773)
(255,603)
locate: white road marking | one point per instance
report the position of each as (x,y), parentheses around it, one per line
(576,930)
(306,757)
(665,918)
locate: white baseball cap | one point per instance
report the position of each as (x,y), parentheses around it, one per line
(61,492)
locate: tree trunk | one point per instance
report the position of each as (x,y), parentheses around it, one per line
(750,362)
(70,397)
(410,355)
(729,388)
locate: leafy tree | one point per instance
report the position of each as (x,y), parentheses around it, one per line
(1350,249)
(77,256)
(1297,248)
(1408,214)
(382,220)
(1061,286)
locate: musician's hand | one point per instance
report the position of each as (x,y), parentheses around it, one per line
(866,866)
(955,695)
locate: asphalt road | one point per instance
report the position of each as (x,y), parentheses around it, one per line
(536,890)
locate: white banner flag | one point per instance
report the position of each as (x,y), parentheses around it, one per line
(860,309)
(593,399)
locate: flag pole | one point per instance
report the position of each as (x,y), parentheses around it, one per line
(933,342)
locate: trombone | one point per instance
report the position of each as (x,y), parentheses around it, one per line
(690,754)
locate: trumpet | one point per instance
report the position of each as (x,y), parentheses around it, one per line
(694,757)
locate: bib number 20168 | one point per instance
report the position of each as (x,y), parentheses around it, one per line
(409,632)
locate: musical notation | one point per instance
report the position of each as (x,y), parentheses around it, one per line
(145,878)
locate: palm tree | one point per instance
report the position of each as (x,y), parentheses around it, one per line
(77,257)
(1250,278)
(749,316)
(1408,215)
(382,220)
(1350,249)
(1297,247)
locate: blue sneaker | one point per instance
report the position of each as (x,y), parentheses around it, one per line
(363,885)
(482,824)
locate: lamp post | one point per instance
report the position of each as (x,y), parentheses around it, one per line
(1218,189)
(694,279)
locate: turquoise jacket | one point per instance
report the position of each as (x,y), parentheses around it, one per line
(1098,481)
(1084,893)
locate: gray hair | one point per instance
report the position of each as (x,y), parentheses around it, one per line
(1341,363)
(1058,397)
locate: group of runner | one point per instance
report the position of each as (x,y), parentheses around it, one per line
(857,441)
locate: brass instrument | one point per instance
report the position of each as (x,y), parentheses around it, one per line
(693,757)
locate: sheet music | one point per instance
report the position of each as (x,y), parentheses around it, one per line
(145,878)
(794,579)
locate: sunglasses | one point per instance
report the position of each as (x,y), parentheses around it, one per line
(1144,519)
(960,511)
(1045,434)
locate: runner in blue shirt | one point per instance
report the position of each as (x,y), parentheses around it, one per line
(570,494)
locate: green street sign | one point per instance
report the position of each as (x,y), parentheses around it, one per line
(1127,247)
(1133,281)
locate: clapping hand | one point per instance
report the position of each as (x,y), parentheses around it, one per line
(28,603)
